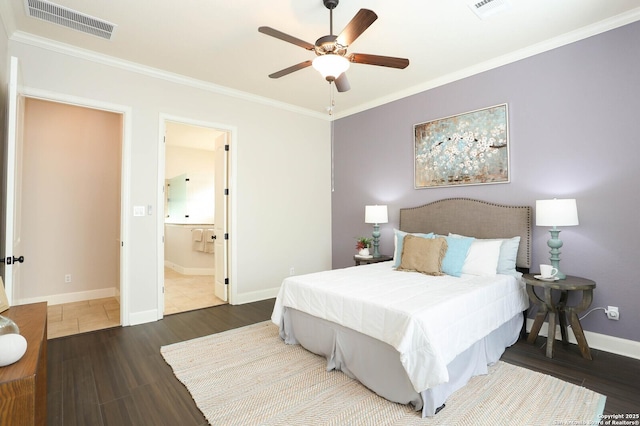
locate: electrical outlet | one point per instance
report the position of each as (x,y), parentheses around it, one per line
(292,271)
(613,313)
(67,278)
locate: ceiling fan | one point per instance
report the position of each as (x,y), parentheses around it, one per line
(332,59)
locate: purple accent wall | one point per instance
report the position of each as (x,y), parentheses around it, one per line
(574,115)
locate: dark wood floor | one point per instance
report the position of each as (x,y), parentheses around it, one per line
(615,376)
(118,377)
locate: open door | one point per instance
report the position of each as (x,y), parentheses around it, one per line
(221,245)
(11,256)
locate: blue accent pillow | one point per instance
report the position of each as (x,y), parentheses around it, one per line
(398,237)
(457,249)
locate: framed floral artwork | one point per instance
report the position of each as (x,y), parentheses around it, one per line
(465,149)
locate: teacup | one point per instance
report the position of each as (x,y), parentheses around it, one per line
(548,271)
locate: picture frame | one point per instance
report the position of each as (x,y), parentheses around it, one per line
(4,301)
(471,148)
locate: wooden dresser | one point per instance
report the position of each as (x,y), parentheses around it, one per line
(23,384)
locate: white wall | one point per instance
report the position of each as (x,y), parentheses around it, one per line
(182,160)
(281,196)
(183,255)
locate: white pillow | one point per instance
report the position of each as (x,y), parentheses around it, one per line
(482,258)
(508,255)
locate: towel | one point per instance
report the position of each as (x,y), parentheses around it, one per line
(197,244)
(209,240)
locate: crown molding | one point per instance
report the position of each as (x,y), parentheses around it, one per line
(565,39)
(529,51)
(66,49)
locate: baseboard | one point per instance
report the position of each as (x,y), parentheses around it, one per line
(57,299)
(189,271)
(255,296)
(603,342)
(136,318)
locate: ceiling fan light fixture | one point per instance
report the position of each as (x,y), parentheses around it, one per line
(331,65)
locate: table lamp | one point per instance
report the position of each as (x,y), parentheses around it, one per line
(556,213)
(376,215)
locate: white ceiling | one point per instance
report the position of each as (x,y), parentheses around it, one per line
(217,42)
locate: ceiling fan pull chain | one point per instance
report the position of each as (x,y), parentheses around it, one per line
(332,102)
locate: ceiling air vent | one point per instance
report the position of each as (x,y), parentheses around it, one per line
(69,18)
(485,8)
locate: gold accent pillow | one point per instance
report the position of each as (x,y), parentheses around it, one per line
(423,255)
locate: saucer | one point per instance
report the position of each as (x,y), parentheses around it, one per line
(541,278)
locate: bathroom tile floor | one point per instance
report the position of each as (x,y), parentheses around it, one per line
(79,317)
(188,292)
(182,293)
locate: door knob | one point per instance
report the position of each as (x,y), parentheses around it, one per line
(12,259)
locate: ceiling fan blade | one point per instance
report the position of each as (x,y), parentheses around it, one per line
(291,69)
(342,83)
(286,37)
(383,61)
(363,19)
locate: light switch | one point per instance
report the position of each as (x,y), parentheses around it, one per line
(138,211)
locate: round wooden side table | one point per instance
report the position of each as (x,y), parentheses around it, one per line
(559,310)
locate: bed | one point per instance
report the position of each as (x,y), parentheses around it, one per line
(412,337)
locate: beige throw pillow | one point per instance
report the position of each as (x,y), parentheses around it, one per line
(423,255)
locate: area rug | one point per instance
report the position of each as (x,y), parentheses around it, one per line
(248,376)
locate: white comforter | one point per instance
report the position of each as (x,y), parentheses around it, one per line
(428,320)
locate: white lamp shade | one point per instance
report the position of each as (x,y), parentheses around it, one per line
(556,212)
(375,214)
(331,65)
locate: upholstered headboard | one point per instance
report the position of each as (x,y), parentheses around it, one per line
(472,218)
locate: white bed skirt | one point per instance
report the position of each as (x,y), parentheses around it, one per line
(377,364)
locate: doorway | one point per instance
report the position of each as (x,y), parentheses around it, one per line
(71,206)
(193,222)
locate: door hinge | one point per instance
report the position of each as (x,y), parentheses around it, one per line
(226,236)
(226,147)
(226,191)
(226,281)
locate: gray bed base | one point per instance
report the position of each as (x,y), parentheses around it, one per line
(377,365)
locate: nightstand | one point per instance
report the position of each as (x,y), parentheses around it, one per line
(365,260)
(546,306)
